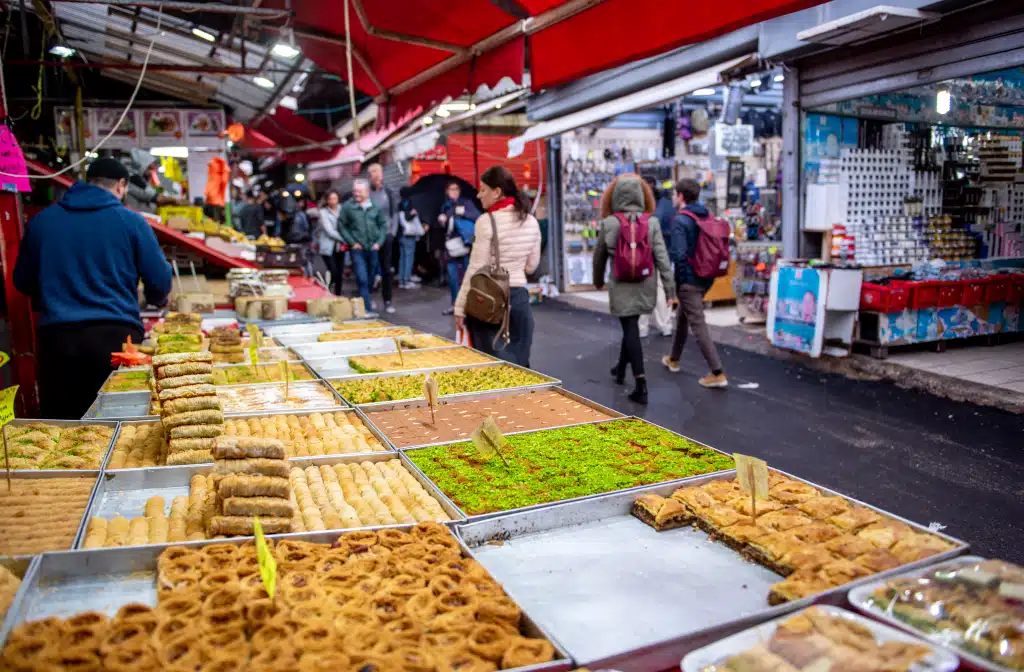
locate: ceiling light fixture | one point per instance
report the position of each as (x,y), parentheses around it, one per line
(498,106)
(427,121)
(263,82)
(780,78)
(289,102)
(704,92)
(443,112)
(754,83)
(943,101)
(62,51)
(300,177)
(285,47)
(456,106)
(202,34)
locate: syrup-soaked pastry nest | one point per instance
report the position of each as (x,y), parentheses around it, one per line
(389,600)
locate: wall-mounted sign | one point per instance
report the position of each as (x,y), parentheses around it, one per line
(734,139)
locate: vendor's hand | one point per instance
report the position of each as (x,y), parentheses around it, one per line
(442,218)
(460,323)
(413,213)
(375,247)
(426,227)
(460,210)
(673,302)
(357,246)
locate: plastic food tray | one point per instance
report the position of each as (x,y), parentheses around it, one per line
(939,660)
(591,556)
(860,596)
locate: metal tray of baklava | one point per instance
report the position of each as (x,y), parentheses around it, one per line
(650,597)
(62,584)
(304,339)
(113,424)
(94,474)
(547,381)
(363,346)
(120,406)
(387,449)
(336,365)
(421,409)
(411,453)
(125,492)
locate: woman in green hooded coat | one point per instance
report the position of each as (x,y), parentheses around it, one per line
(629,195)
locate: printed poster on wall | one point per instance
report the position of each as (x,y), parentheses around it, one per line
(162,127)
(798,310)
(204,124)
(104,120)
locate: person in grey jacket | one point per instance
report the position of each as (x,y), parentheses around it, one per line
(385,199)
(630,195)
(328,241)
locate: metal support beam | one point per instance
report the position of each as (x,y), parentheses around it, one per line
(154,67)
(401,37)
(791,174)
(214,7)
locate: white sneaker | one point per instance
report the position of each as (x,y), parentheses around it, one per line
(416,279)
(388,308)
(666,333)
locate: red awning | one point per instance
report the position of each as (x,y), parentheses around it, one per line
(285,129)
(413,52)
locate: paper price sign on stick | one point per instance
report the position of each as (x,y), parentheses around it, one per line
(285,377)
(254,343)
(7,398)
(265,559)
(401,357)
(752,475)
(430,394)
(489,440)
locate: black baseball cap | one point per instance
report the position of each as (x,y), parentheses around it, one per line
(108,168)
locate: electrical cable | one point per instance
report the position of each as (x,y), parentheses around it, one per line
(351,84)
(124,113)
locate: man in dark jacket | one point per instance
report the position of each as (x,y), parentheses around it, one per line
(80,263)
(682,236)
(364,227)
(250,218)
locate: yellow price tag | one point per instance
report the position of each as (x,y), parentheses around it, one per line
(255,340)
(4,358)
(265,559)
(7,397)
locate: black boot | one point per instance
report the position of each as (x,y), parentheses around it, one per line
(639,395)
(619,373)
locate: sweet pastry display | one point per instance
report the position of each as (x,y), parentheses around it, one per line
(309,435)
(272,397)
(419,341)
(247,374)
(815,639)
(360,334)
(456,420)
(661,513)
(38,445)
(132,380)
(361,324)
(226,345)
(154,527)
(559,464)
(974,606)
(252,483)
(190,411)
(817,541)
(393,361)
(360,495)
(9,584)
(42,514)
(396,388)
(395,599)
(139,445)
(178,333)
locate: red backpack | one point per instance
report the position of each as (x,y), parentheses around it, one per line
(634,258)
(711,257)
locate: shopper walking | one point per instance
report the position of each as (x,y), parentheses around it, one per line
(661,317)
(631,238)
(384,199)
(458,217)
(329,241)
(683,238)
(250,217)
(363,227)
(508,216)
(410,230)
(80,262)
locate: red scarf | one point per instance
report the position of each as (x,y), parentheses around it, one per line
(503,203)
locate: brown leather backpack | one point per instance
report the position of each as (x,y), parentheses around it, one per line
(488,296)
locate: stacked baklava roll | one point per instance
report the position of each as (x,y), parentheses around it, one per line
(252,483)
(226,345)
(189,408)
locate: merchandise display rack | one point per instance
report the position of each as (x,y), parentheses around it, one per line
(127,574)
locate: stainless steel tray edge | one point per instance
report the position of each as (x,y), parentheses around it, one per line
(28,581)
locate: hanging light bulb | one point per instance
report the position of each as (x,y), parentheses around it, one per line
(943,101)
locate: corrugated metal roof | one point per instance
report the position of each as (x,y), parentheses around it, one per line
(103,33)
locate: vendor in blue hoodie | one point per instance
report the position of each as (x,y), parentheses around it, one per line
(80,262)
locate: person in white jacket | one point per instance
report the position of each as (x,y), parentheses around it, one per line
(329,242)
(519,247)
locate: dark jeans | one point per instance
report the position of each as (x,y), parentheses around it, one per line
(632,350)
(520,331)
(691,314)
(362,264)
(74,361)
(382,267)
(335,263)
(456,268)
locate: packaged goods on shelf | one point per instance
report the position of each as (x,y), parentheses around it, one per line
(414,425)
(42,445)
(559,464)
(476,379)
(417,360)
